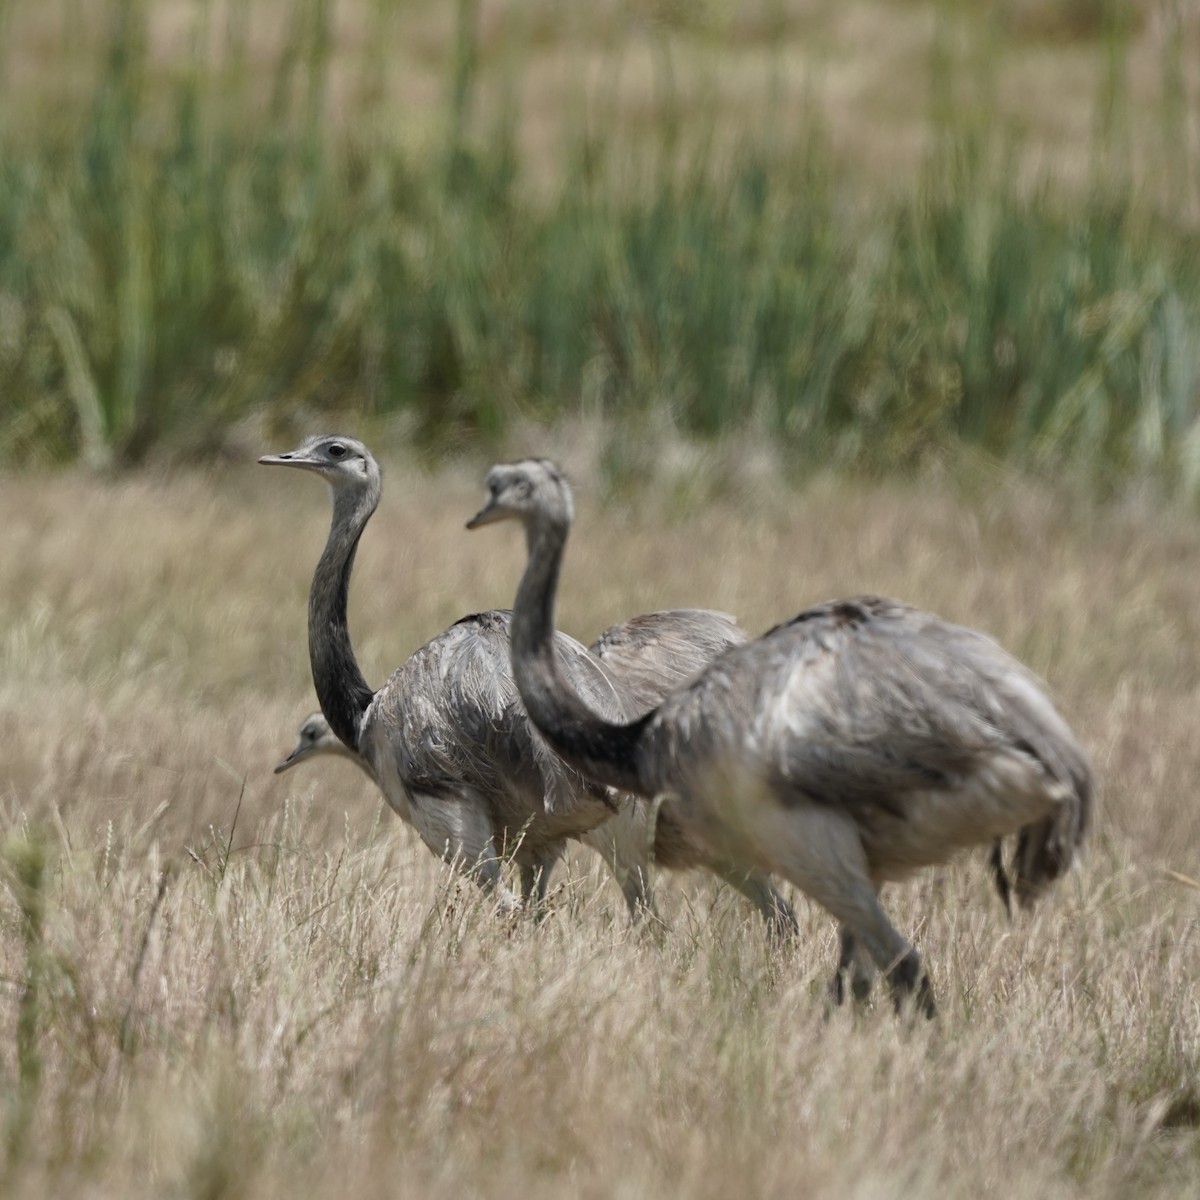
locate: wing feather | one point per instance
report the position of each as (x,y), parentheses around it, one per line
(655,653)
(866,702)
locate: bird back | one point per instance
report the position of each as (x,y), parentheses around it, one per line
(655,653)
(866,703)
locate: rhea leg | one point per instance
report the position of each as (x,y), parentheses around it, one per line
(853,968)
(675,848)
(459,830)
(765,896)
(623,841)
(639,896)
(1000,875)
(535,879)
(483,867)
(819,850)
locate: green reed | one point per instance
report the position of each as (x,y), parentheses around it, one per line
(168,266)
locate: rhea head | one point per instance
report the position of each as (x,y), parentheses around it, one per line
(313,738)
(534,491)
(340,461)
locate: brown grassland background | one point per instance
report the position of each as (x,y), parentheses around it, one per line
(257,986)
(216,982)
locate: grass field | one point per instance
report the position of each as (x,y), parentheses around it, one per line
(811,297)
(218,983)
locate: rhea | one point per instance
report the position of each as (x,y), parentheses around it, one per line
(445,738)
(650,653)
(850,746)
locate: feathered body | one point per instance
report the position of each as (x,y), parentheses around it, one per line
(927,734)
(655,653)
(445,738)
(649,654)
(448,725)
(854,744)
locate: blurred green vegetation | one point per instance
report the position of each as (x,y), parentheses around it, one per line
(168,267)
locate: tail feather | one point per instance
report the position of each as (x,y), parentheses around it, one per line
(1046,849)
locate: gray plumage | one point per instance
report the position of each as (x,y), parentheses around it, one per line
(653,654)
(853,745)
(624,840)
(650,654)
(445,738)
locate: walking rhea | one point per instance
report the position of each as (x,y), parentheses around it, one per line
(444,738)
(852,745)
(650,653)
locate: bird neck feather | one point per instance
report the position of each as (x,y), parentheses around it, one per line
(342,691)
(603,751)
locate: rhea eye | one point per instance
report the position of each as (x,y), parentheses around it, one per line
(337,450)
(524,489)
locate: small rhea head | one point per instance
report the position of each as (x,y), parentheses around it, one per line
(340,460)
(314,737)
(530,489)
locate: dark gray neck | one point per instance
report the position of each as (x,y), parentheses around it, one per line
(604,752)
(341,689)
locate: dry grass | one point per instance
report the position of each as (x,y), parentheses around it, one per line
(309,1004)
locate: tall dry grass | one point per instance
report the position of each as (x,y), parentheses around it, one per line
(220,983)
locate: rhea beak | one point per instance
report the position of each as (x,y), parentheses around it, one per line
(487,515)
(290,459)
(292,759)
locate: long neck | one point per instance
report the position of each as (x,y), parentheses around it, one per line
(341,689)
(604,752)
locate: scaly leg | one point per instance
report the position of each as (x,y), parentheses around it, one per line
(535,879)
(819,850)
(765,896)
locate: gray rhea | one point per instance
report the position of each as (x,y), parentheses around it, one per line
(623,840)
(852,745)
(650,653)
(444,738)
(653,654)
